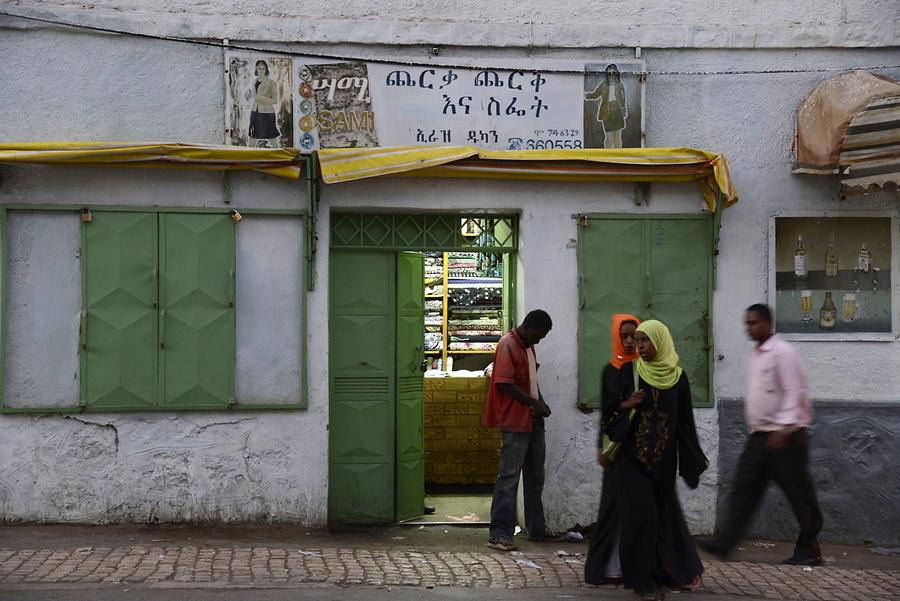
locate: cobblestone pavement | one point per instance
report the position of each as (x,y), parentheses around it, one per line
(274,566)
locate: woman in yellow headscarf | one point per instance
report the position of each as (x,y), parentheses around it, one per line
(656,549)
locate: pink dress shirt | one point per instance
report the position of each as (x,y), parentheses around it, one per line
(777,395)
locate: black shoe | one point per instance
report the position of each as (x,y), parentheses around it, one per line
(502,545)
(429,510)
(715,548)
(803,561)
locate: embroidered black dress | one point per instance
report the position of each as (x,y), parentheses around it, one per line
(656,548)
(605,539)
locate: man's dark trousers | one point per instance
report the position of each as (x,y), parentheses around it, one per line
(788,467)
(522,452)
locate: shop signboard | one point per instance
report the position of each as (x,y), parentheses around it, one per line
(833,276)
(328,104)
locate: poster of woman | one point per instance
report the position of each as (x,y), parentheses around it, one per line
(260,100)
(612,105)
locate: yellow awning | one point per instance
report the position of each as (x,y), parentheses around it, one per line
(283,162)
(710,170)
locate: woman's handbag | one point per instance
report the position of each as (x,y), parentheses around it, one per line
(611,448)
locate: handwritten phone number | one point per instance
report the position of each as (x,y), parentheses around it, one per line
(558,133)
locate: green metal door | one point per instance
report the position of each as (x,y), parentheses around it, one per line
(678,292)
(361,487)
(410,437)
(196,319)
(612,275)
(119,326)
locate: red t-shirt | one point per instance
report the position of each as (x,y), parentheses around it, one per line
(502,411)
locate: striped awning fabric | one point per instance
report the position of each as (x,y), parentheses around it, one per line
(282,162)
(710,170)
(870,153)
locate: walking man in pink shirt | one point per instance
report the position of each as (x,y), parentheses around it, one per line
(777,409)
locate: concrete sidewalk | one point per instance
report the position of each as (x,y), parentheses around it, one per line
(81,558)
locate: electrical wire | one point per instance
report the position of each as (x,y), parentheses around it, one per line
(412,63)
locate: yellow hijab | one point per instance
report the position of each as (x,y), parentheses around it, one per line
(663,372)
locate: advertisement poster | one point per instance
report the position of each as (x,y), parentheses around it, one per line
(612,105)
(260,101)
(366,104)
(833,275)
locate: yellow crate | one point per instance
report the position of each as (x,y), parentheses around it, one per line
(435,434)
(439,447)
(445,420)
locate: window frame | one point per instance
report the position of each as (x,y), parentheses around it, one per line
(304,279)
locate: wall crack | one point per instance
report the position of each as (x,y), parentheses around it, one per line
(110,426)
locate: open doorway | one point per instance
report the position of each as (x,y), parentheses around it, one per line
(412,327)
(467,310)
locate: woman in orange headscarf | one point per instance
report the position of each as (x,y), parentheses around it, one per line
(602,565)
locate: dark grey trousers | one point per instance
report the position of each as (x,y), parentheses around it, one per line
(521,452)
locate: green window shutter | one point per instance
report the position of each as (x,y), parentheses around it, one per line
(654,269)
(680,254)
(119,325)
(361,370)
(196,319)
(611,279)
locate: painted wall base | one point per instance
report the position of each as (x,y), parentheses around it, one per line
(853,451)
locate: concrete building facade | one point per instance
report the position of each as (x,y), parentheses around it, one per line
(726,78)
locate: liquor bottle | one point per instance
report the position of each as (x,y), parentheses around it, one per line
(800,269)
(828,314)
(864,259)
(831,258)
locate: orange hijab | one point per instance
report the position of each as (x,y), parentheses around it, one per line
(619,356)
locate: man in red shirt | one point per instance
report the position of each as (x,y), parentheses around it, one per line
(516,407)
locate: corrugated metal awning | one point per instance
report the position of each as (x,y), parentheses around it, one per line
(710,170)
(870,153)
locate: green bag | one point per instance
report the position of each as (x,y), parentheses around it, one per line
(611,448)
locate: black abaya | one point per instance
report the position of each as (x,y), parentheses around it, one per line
(606,536)
(656,548)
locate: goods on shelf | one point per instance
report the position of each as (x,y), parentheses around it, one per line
(468,309)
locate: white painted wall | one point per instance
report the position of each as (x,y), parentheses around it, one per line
(214,466)
(527,23)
